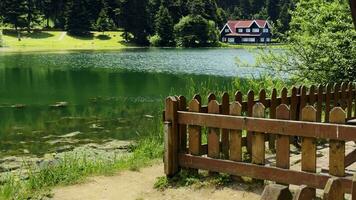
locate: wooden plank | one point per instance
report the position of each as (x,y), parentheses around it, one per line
(308,162)
(319,104)
(272,137)
(337,148)
(312,97)
(276,192)
(198,98)
(328,98)
(353,187)
(262,97)
(280,175)
(194,131)
(333,190)
(171,138)
(235,135)
(343,100)
(258,139)
(285,127)
(213,133)
(336,95)
(250,103)
(303,100)
(182,128)
(238,97)
(294,104)
(225,110)
(211,97)
(283,142)
(349,100)
(350,158)
(284,96)
(304,193)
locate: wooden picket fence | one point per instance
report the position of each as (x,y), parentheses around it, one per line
(309,114)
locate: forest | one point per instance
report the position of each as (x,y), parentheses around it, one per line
(159,22)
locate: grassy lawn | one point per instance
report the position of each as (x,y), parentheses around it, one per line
(59,40)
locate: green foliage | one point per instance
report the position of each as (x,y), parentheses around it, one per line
(164,27)
(195,31)
(1,39)
(155,41)
(77,20)
(104,22)
(321,50)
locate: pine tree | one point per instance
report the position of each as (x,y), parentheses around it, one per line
(14,12)
(104,22)
(164,26)
(273,9)
(77,20)
(245,8)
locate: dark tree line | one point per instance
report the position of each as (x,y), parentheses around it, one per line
(158,21)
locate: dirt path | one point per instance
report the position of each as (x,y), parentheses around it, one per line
(139,185)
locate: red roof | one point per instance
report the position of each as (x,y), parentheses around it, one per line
(243,34)
(234,24)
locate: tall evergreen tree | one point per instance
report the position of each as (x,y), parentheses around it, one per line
(77,20)
(272,9)
(14,12)
(164,26)
(245,6)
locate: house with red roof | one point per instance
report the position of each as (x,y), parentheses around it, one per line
(246,31)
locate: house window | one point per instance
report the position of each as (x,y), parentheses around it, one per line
(251,39)
(248,30)
(231,40)
(265,30)
(240,30)
(268,39)
(244,39)
(227,30)
(262,39)
(255,30)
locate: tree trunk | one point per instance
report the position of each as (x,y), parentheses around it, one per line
(353,10)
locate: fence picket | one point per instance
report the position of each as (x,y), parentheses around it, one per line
(312,97)
(213,133)
(282,153)
(235,135)
(309,144)
(349,100)
(238,97)
(319,104)
(336,94)
(182,106)
(272,115)
(258,139)
(225,110)
(333,190)
(328,102)
(343,101)
(303,100)
(194,131)
(284,94)
(250,103)
(211,97)
(294,104)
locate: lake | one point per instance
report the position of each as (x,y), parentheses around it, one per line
(105,95)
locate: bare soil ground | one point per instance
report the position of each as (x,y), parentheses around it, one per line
(140,185)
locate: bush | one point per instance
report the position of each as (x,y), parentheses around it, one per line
(155,41)
(195,31)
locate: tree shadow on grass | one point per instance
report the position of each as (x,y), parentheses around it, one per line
(89,36)
(103,37)
(25,34)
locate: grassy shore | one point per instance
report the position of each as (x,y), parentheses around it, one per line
(61,41)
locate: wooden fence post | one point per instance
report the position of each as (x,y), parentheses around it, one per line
(319,104)
(309,145)
(328,97)
(337,149)
(283,142)
(171,142)
(225,132)
(258,139)
(349,100)
(353,187)
(272,111)
(235,135)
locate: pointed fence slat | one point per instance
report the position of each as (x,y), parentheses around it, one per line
(194,131)
(258,139)
(225,110)
(328,98)
(250,103)
(282,147)
(284,94)
(303,100)
(336,94)
(309,144)
(319,104)
(349,100)
(213,133)
(312,97)
(272,115)
(182,106)
(211,97)
(343,101)
(235,135)
(333,190)
(294,104)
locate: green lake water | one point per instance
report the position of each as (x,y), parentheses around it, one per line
(110,94)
